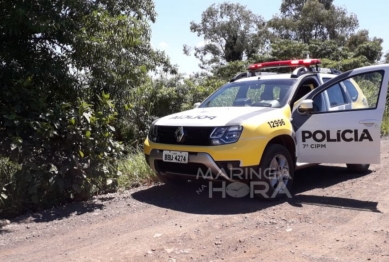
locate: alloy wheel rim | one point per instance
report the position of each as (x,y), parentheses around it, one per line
(279,173)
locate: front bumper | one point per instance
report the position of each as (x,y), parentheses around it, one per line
(248,151)
(200,166)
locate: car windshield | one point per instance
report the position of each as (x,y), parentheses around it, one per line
(259,93)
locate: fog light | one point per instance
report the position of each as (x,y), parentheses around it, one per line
(216,142)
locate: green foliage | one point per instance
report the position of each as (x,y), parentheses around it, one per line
(201,88)
(327,30)
(286,49)
(66,69)
(385,122)
(68,153)
(134,171)
(314,27)
(328,50)
(346,64)
(7,186)
(231,33)
(74,82)
(153,99)
(226,72)
(307,20)
(370,90)
(387,57)
(160,97)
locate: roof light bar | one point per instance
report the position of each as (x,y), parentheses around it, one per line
(285,63)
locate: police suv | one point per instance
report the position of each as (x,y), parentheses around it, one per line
(262,126)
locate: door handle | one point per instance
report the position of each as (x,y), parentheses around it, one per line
(369,122)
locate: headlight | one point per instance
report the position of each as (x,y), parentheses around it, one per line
(225,135)
(153,132)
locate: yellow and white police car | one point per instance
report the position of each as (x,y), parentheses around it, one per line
(260,127)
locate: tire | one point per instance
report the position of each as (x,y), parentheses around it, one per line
(168,180)
(358,168)
(276,174)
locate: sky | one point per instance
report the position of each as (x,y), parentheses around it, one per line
(172,27)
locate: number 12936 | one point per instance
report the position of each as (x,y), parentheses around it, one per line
(276,123)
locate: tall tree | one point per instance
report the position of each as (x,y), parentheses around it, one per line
(365,52)
(61,63)
(307,20)
(231,32)
(293,8)
(362,45)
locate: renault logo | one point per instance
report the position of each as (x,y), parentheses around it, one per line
(180,134)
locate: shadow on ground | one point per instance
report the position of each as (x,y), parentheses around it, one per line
(196,198)
(4,231)
(322,177)
(62,212)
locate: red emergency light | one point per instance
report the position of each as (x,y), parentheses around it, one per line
(285,63)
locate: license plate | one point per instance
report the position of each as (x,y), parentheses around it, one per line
(175,156)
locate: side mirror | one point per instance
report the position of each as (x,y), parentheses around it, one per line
(306,106)
(196,105)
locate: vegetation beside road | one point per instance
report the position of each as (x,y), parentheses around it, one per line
(77,97)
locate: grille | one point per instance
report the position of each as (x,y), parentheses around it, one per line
(193,136)
(187,169)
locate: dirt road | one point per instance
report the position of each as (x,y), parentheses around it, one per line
(334,215)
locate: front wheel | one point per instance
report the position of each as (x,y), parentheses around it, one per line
(358,168)
(276,172)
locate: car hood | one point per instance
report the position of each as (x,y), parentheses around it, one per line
(213,116)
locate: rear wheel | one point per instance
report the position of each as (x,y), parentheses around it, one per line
(276,172)
(358,168)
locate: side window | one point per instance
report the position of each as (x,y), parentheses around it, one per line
(351,90)
(336,96)
(360,92)
(318,103)
(302,91)
(368,87)
(226,98)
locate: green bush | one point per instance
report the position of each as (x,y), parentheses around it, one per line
(9,201)
(157,98)
(66,154)
(385,123)
(134,171)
